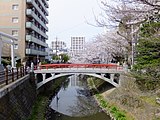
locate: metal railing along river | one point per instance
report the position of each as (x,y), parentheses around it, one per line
(10,75)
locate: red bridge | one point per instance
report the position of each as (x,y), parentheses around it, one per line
(109,66)
(48,72)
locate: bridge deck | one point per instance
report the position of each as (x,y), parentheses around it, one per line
(79,68)
(69,69)
(47,66)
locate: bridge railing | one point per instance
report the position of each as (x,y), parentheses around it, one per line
(10,75)
(54,66)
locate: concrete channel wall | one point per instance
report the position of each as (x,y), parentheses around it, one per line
(17,99)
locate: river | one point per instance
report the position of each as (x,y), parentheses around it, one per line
(74,102)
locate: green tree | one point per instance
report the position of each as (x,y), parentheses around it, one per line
(147,66)
(64,58)
(56,57)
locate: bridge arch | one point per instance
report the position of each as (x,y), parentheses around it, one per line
(48,79)
(105,72)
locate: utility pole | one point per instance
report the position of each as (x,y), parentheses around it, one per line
(56,45)
(133,45)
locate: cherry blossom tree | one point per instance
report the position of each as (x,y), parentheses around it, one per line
(104,48)
(127,16)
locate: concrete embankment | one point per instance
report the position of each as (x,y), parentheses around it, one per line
(17,99)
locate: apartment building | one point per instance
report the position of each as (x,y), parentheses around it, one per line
(77,46)
(26,20)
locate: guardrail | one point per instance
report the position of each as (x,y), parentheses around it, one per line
(49,66)
(10,75)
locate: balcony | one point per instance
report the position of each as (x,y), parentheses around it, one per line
(42,4)
(31,13)
(33,27)
(47,5)
(37,8)
(30,51)
(31,38)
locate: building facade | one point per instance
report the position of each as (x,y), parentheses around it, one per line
(58,45)
(26,20)
(77,46)
(49,51)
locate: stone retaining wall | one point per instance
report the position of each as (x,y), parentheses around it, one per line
(16,100)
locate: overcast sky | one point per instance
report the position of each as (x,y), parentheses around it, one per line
(68,18)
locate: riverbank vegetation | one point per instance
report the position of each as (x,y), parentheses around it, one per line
(147,67)
(139,28)
(141,104)
(128,100)
(41,104)
(111,109)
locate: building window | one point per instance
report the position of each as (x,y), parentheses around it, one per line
(15,32)
(15,20)
(15,7)
(15,46)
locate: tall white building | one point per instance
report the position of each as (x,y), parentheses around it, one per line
(77,46)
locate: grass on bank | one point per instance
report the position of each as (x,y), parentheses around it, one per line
(150,100)
(38,111)
(39,108)
(115,112)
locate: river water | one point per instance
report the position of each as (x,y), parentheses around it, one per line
(74,102)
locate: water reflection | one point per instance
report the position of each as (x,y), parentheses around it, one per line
(74,100)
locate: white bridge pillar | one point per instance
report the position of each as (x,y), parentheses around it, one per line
(53,74)
(112,77)
(44,76)
(102,74)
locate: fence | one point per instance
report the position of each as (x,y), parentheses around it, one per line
(10,75)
